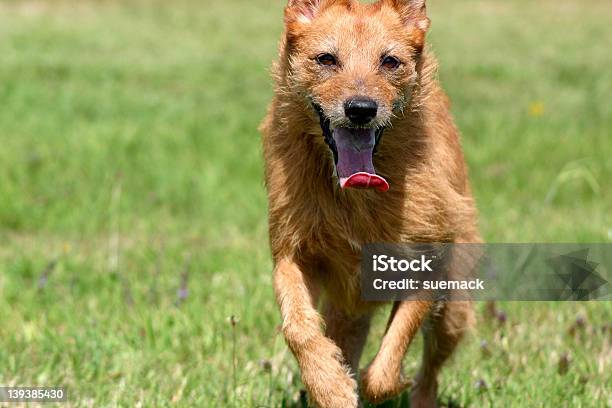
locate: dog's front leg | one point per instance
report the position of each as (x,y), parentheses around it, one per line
(383,378)
(324,374)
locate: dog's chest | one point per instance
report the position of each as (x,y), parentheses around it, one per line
(343,229)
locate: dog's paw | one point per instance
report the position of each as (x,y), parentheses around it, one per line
(326,378)
(420,400)
(380,383)
(424,394)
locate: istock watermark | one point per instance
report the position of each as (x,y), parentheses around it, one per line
(547,272)
(385,263)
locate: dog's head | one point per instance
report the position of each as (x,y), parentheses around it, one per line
(355,65)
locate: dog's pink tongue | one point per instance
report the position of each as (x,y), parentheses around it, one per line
(354,166)
(365,180)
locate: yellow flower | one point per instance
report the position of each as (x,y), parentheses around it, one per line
(536,109)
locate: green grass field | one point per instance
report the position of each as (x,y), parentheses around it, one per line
(133,211)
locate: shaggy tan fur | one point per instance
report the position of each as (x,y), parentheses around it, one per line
(317,228)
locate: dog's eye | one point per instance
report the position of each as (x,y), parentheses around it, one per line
(326,59)
(390,62)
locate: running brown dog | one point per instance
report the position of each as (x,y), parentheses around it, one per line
(360,147)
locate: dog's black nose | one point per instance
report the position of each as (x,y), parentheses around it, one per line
(360,110)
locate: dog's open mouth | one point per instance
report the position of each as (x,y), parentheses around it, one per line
(354,165)
(353,150)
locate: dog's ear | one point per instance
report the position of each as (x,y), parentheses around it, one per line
(304,11)
(413,12)
(414,16)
